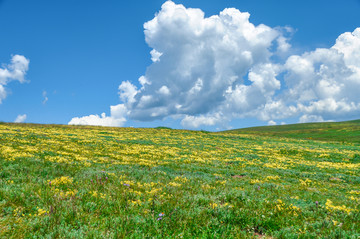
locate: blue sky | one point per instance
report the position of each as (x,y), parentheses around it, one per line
(64,61)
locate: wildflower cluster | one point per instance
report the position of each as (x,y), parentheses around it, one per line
(60,181)
(333,208)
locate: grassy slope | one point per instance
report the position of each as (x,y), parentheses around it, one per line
(97,182)
(348,131)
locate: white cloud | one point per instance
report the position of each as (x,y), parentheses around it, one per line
(20,118)
(127,91)
(15,71)
(246,100)
(3,93)
(116,118)
(310,118)
(118,111)
(164,90)
(45,97)
(194,122)
(211,70)
(155,55)
(320,85)
(324,84)
(271,122)
(199,65)
(283,44)
(143,81)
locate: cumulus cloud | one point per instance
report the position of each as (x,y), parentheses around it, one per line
(15,71)
(127,91)
(116,118)
(324,84)
(271,122)
(20,118)
(190,121)
(208,71)
(155,55)
(200,66)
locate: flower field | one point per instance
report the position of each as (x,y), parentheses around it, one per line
(98,182)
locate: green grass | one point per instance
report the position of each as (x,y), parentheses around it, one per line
(99,182)
(347,131)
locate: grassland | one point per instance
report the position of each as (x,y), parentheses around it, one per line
(347,131)
(96,182)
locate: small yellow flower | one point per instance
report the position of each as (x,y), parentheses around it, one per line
(173,184)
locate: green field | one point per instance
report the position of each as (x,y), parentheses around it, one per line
(348,131)
(294,181)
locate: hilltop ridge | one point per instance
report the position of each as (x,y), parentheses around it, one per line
(346,131)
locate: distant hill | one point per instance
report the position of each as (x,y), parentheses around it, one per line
(347,131)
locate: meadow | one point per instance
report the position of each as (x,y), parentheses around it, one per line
(100,182)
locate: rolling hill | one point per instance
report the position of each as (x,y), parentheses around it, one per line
(60,181)
(347,131)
